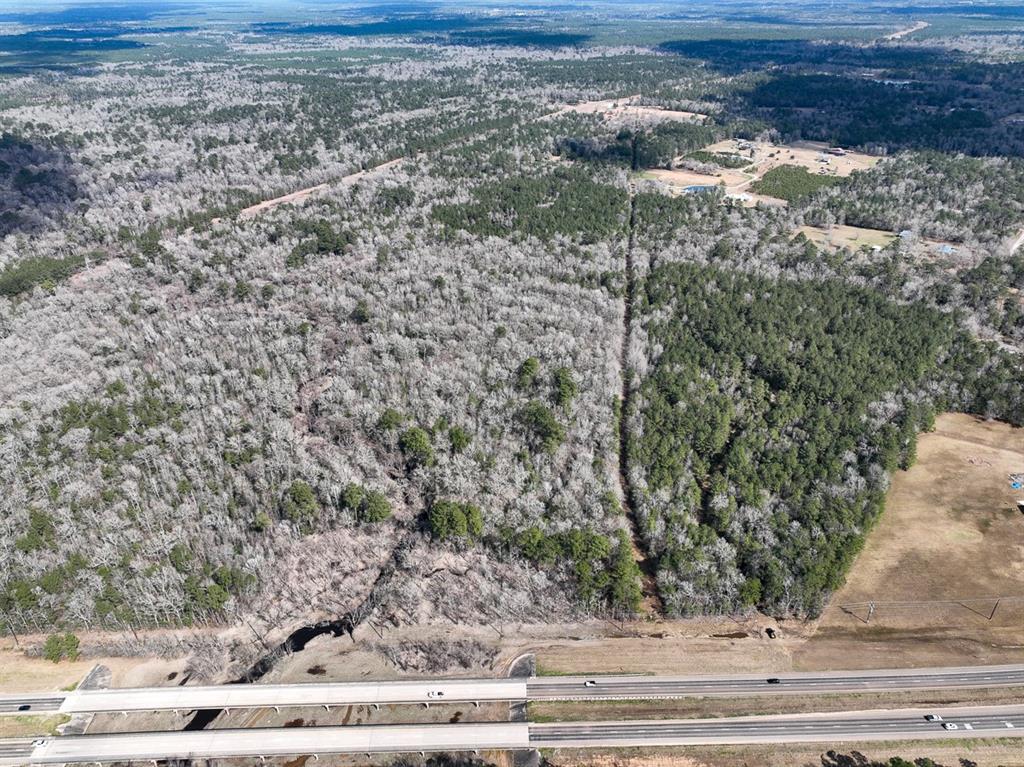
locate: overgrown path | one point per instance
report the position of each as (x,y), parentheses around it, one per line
(651,602)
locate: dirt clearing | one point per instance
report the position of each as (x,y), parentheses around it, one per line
(814,156)
(852,237)
(817,158)
(622,110)
(949,544)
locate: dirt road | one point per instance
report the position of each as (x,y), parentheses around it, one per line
(918,26)
(303,194)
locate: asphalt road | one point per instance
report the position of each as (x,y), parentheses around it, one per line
(281,695)
(283,741)
(978,722)
(640,687)
(13,704)
(991,721)
(484,690)
(15,751)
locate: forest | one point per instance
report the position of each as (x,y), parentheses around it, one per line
(377,318)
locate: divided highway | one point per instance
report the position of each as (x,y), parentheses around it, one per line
(648,687)
(501,690)
(984,721)
(987,721)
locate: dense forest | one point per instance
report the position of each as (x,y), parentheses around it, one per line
(773,412)
(478,358)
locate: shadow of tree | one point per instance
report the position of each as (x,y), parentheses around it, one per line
(37,184)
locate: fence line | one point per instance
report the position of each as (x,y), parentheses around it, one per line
(851,608)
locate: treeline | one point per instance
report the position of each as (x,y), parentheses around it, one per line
(653,147)
(949,197)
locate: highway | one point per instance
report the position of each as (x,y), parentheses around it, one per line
(649,687)
(977,722)
(283,741)
(910,724)
(282,695)
(31,703)
(501,690)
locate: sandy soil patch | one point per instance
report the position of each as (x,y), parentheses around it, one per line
(731,179)
(950,542)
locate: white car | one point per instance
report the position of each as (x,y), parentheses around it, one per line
(39,742)
(435,694)
(932,718)
(950,726)
(590,683)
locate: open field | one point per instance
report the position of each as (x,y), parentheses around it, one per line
(843,236)
(951,533)
(811,155)
(620,110)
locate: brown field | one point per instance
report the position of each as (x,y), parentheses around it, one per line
(619,110)
(984,753)
(950,541)
(30,726)
(852,237)
(811,155)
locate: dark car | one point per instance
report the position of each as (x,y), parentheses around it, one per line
(774,680)
(24,707)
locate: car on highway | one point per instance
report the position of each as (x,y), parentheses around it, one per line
(774,680)
(950,726)
(590,683)
(932,718)
(435,694)
(39,742)
(24,707)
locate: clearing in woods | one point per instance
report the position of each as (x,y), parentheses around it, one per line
(843,236)
(818,158)
(950,541)
(623,109)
